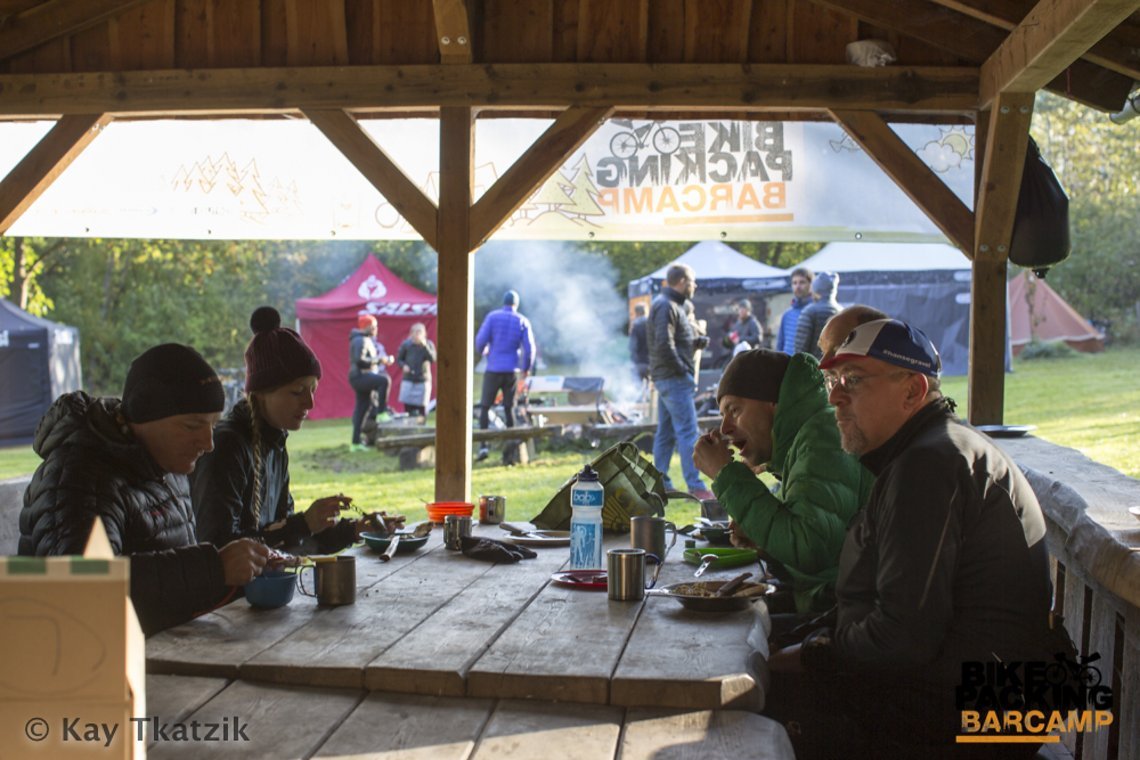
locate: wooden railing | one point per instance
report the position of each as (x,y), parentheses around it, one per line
(1094,544)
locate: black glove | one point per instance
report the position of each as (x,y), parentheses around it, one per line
(492,550)
(701,343)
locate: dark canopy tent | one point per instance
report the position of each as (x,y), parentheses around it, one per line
(924,284)
(39,361)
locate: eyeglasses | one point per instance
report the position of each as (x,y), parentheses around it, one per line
(851,383)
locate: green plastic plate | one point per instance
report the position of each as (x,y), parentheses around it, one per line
(725,557)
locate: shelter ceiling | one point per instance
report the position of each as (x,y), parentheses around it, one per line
(582,52)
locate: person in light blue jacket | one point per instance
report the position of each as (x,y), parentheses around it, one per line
(506,338)
(801,297)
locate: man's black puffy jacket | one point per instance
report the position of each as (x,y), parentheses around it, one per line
(92,468)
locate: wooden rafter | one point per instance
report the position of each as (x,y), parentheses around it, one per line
(44,163)
(1007,136)
(1118,51)
(453,30)
(378,168)
(1047,41)
(54,19)
(914,177)
(730,87)
(975,41)
(526,175)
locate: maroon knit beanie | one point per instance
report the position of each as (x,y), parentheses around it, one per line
(275,354)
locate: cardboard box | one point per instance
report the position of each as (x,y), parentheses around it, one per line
(74,664)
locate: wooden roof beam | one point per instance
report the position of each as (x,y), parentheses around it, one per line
(548,153)
(55,18)
(361,150)
(674,87)
(1047,41)
(975,41)
(44,163)
(1119,51)
(914,177)
(453,30)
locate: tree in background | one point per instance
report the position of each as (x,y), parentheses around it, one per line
(22,262)
(1095,160)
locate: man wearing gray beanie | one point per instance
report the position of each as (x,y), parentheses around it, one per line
(125,463)
(815,315)
(776,416)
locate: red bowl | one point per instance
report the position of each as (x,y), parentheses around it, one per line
(436,511)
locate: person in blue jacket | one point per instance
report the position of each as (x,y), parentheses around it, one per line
(801,297)
(506,338)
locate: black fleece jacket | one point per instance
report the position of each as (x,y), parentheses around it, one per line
(947,561)
(94,468)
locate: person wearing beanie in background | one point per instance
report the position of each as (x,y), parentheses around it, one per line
(815,316)
(125,462)
(415,356)
(801,297)
(776,414)
(367,360)
(505,336)
(241,488)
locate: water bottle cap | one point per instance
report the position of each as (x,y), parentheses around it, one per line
(588,474)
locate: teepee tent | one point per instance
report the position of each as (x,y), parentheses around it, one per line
(1037,312)
(326,321)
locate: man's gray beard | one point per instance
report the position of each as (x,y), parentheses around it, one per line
(853,442)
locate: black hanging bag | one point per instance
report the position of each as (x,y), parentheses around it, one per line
(1041,227)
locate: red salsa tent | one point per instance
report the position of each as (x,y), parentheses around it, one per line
(326,321)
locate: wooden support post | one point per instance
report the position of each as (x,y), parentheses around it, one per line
(456,301)
(1000,184)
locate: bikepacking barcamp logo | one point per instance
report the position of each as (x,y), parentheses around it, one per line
(1032,702)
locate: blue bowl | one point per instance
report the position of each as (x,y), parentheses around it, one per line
(273,588)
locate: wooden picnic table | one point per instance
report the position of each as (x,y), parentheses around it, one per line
(451,653)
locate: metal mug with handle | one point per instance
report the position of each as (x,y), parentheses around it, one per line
(648,532)
(625,574)
(334,580)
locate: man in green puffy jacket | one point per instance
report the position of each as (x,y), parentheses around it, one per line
(776,415)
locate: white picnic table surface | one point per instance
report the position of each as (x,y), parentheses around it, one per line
(447,656)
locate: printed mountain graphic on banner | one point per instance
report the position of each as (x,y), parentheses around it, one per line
(222,178)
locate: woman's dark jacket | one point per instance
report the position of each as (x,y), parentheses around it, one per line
(222,490)
(93,467)
(418,357)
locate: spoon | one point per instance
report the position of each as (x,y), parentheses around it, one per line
(706,560)
(732,585)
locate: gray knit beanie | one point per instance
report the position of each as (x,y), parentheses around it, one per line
(825,284)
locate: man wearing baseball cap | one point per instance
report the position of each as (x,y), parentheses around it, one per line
(775,414)
(945,565)
(125,462)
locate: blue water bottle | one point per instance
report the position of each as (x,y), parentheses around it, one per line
(586,499)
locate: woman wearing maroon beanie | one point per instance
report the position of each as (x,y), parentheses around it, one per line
(241,488)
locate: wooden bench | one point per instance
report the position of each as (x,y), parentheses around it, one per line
(418,450)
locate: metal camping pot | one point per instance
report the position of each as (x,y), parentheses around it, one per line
(492,509)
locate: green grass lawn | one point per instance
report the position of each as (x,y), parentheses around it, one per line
(1089,403)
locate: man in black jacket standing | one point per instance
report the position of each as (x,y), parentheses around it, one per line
(125,462)
(673,343)
(639,347)
(945,566)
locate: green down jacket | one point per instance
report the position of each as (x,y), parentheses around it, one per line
(803,523)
